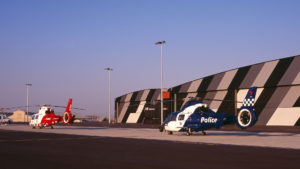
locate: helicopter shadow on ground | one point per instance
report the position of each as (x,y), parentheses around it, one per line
(81,128)
(243,134)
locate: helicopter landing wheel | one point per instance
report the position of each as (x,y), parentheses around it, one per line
(203,133)
(189,132)
(161,128)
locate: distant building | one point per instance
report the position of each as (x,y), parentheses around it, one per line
(20,116)
(277,101)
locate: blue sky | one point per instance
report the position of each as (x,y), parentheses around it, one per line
(63,46)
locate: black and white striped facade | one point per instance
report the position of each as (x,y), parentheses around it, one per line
(277,100)
(138,107)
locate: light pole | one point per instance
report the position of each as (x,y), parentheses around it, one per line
(27,86)
(109,70)
(161,82)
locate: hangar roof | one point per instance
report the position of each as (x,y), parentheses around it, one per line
(280,72)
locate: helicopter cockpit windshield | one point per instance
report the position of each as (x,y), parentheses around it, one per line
(171,117)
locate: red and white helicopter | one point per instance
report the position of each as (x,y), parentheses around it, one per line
(46,117)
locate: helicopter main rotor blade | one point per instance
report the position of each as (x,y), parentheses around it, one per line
(71,107)
(222,100)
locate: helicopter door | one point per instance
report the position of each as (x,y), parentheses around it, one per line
(180,120)
(35,120)
(32,119)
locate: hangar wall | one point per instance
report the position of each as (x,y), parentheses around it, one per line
(139,107)
(278,97)
(277,101)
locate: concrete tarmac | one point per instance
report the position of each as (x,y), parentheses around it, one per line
(240,138)
(46,150)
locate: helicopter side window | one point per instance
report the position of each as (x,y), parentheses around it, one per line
(181,117)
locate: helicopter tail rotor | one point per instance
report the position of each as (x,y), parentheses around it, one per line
(68,118)
(246,117)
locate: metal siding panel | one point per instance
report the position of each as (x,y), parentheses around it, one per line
(134,96)
(263,99)
(128,97)
(201,95)
(297,79)
(209,97)
(139,95)
(121,104)
(145,94)
(123,112)
(123,98)
(298,121)
(265,73)
(228,106)
(151,94)
(291,73)
(176,89)
(284,117)
(251,75)
(297,103)
(239,77)
(227,79)
(278,96)
(134,116)
(272,105)
(180,100)
(205,83)
(195,85)
(215,104)
(184,88)
(156,95)
(265,116)
(291,97)
(278,72)
(216,81)
(132,108)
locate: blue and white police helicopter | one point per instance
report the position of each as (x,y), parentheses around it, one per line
(195,116)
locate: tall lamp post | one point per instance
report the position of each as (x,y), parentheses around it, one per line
(161,82)
(109,70)
(27,86)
